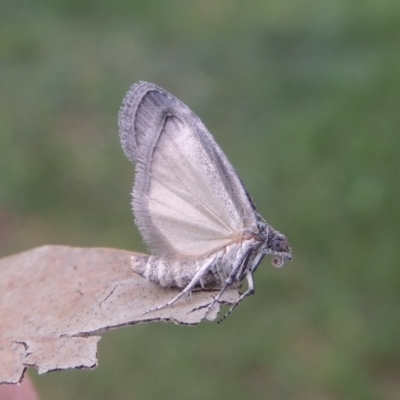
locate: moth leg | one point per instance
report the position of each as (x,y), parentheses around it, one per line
(250,290)
(195,280)
(202,283)
(243,267)
(240,266)
(227,283)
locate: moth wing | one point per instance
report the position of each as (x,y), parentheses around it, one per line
(187,198)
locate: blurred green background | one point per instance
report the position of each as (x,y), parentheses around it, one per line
(304,98)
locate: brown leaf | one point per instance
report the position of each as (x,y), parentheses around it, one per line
(55,300)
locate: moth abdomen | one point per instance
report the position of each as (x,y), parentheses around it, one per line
(170,273)
(165,272)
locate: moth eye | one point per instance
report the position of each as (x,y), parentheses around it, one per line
(278,245)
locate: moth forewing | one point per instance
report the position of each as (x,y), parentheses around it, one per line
(187,198)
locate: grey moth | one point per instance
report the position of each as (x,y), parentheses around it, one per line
(190,207)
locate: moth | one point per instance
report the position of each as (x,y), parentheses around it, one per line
(190,206)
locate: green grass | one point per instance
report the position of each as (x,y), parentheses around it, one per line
(304,99)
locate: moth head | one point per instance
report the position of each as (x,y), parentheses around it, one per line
(278,245)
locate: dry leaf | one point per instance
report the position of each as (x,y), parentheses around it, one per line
(55,300)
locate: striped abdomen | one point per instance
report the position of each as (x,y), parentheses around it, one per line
(171,273)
